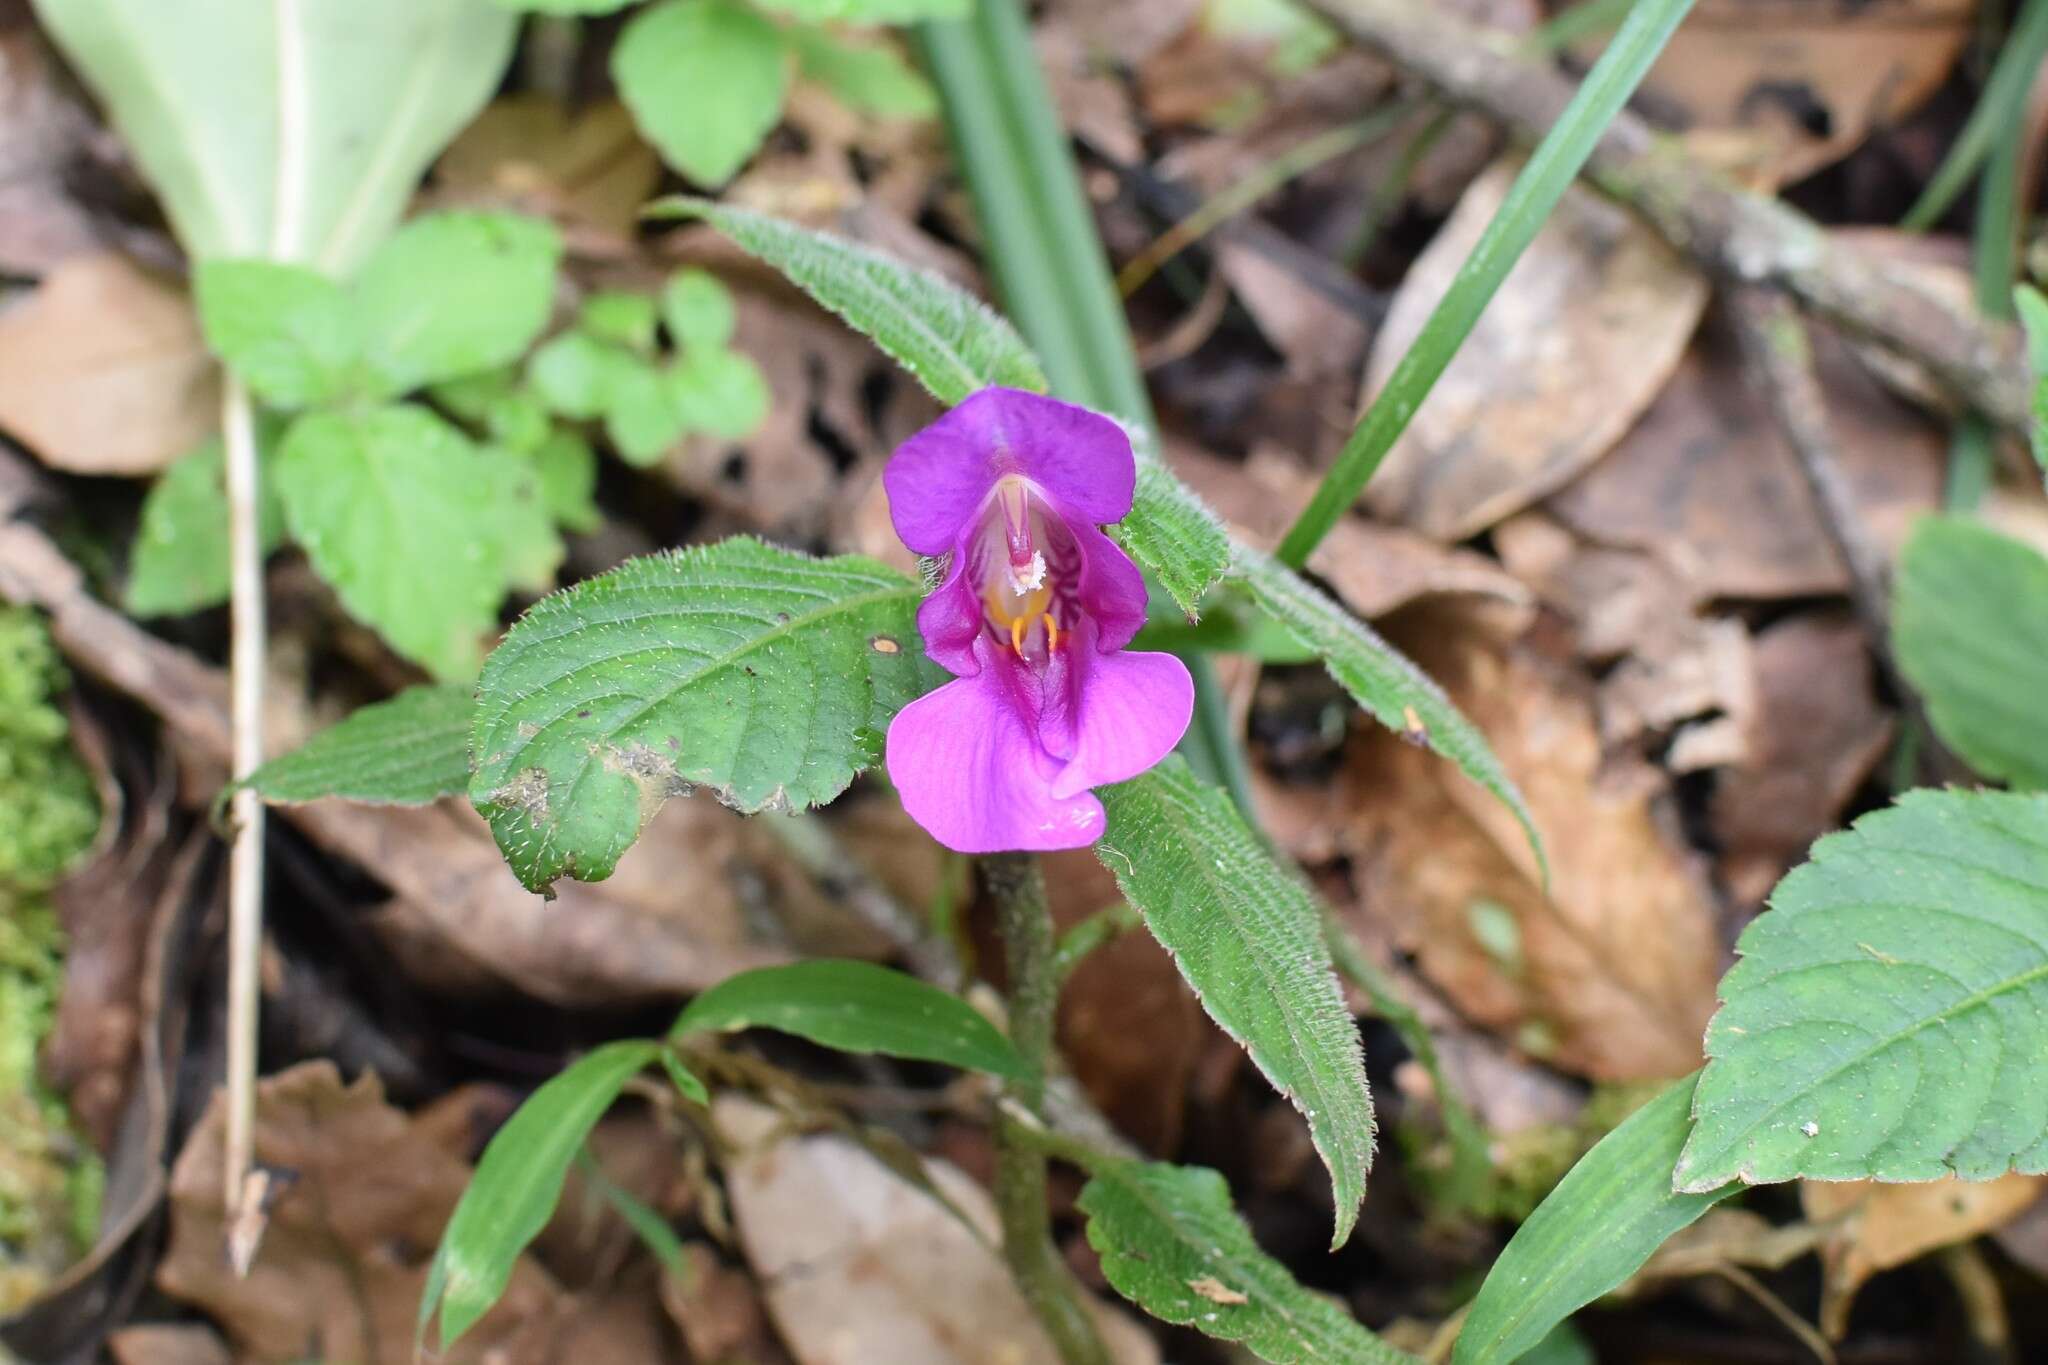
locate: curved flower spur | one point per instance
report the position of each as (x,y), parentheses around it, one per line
(1032,618)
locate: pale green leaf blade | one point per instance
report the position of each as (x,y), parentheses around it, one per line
(864,76)
(1248,937)
(452,294)
(574,374)
(1173,534)
(1611,1211)
(296,132)
(517,1183)
(180,560)
(1171,1243)
(855,1007)
(761,673)
(285,330)
(871,11)
(705,81)
(1970,629)
(1383,682)
(697,310)
(2032,308)
(949,340)
(1889,1017)
(642,419)
(720,392)
(408,750)
(568,480)
(565,6)
(389,502)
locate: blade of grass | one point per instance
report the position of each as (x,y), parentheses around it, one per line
(1049,265)
(1998,110)
(1553,166)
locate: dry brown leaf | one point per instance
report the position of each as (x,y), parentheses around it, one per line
(1815,77)
(103,370)
(1706,483)
(363,1193)
(588,170)
(1612,974)
(858,1266)
(181,1343)
(1878,1226)
(1816,733)
(43,129)
(1572,349)
(718,1310)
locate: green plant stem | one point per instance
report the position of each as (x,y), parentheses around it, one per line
(1552,168)
(1018,888)
(1999,111)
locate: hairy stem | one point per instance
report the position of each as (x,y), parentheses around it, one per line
(1017,885)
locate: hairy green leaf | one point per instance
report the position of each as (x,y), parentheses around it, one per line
(868,77)
(285,330)
(1611,1211)
(705,81)
(517,1184)
(1172,1244)
(1970,629)
(1392,690)
(180,559)
(455,293)
(1173,533)
(855,1007)
(1249,939)
(1889,1017)
(404,516)
(951,341)
(297,132)
(409,750)
(764,674)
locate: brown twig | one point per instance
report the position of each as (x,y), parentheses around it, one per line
(1744,238)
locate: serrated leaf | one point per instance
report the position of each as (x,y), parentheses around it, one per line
(697,310)
(1171,1243)
(455,293)
(1249,939)
(764,674)
(871,11)
(718,391)
(1611,1211)
(1173,534)
(705,80)
(1970,629)
(855,1007)
(1380,679)
(410,750)
(389,502)
(180,559)
(517,1184)
(1888,1018)
(2033,310)
(949,340)
(868,77)
(285,330)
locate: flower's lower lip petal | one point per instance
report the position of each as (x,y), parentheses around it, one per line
(1130,710)
(975,777)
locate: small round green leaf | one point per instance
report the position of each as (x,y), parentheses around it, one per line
(705,81)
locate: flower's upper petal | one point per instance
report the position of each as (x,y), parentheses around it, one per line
(967,762)
(1111,590)
(1127,712)
(938,479)
(950,620)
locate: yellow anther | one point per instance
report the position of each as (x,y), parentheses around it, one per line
(1017,629)
(1052,633)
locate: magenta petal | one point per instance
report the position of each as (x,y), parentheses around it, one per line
(950,620)
(1111,590)
(938,479)
(1129,711)
(974,775)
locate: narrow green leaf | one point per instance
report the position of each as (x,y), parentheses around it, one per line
(1171,1243)
(1889,1017)
(1392,690)
(855,1007)
(1248,937)
(409,750)
(517,1184)
(764,674)
(705,81)
(1552,168)
(388,502)
(454,293)
(697,310)
(943,335)
(685,1081)
(2002,104)
(286,331)
(2032,308)
(864,76)
(180,559)
(1970,629)
(1602,1222)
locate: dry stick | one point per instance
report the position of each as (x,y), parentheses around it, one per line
(1745,238)
(1018,888)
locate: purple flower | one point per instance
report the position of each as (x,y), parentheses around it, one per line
(1033,617)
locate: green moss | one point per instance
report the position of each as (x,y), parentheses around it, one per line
(49,1177)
